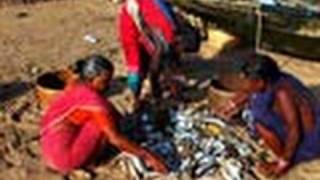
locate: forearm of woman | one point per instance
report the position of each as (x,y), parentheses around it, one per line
(270,139)
(125,144)
(292,142)
(289,114)
(240,98)
(291,145)
(107,122)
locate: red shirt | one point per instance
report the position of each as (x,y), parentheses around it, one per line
(132,39)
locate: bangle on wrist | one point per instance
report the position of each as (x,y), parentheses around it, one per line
(282,162)
(232,104)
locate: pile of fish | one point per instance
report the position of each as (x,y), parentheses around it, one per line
(198,144)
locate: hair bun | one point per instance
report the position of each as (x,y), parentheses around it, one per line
(92,66)
(262,67)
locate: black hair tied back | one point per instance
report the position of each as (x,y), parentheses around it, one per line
(92,66)
(262,67)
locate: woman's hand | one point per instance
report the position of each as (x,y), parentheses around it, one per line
(232,107)
(276,168)
(114,137)
(227,110)
(155,163)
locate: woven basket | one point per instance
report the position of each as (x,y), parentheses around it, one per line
(50,84)
(218,95)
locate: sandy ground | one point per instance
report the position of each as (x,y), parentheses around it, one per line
(46,36)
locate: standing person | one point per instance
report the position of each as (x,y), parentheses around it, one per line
(80,122)
(148,37)
(286,114)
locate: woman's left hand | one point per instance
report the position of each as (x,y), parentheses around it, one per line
(276,168)
(155,163)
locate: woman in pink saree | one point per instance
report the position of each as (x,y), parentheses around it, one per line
(80,121)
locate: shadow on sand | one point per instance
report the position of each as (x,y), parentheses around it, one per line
(13,90)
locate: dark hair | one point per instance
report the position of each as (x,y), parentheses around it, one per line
(92,66)
(262,67)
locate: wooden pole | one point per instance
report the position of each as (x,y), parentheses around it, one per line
(259,28)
